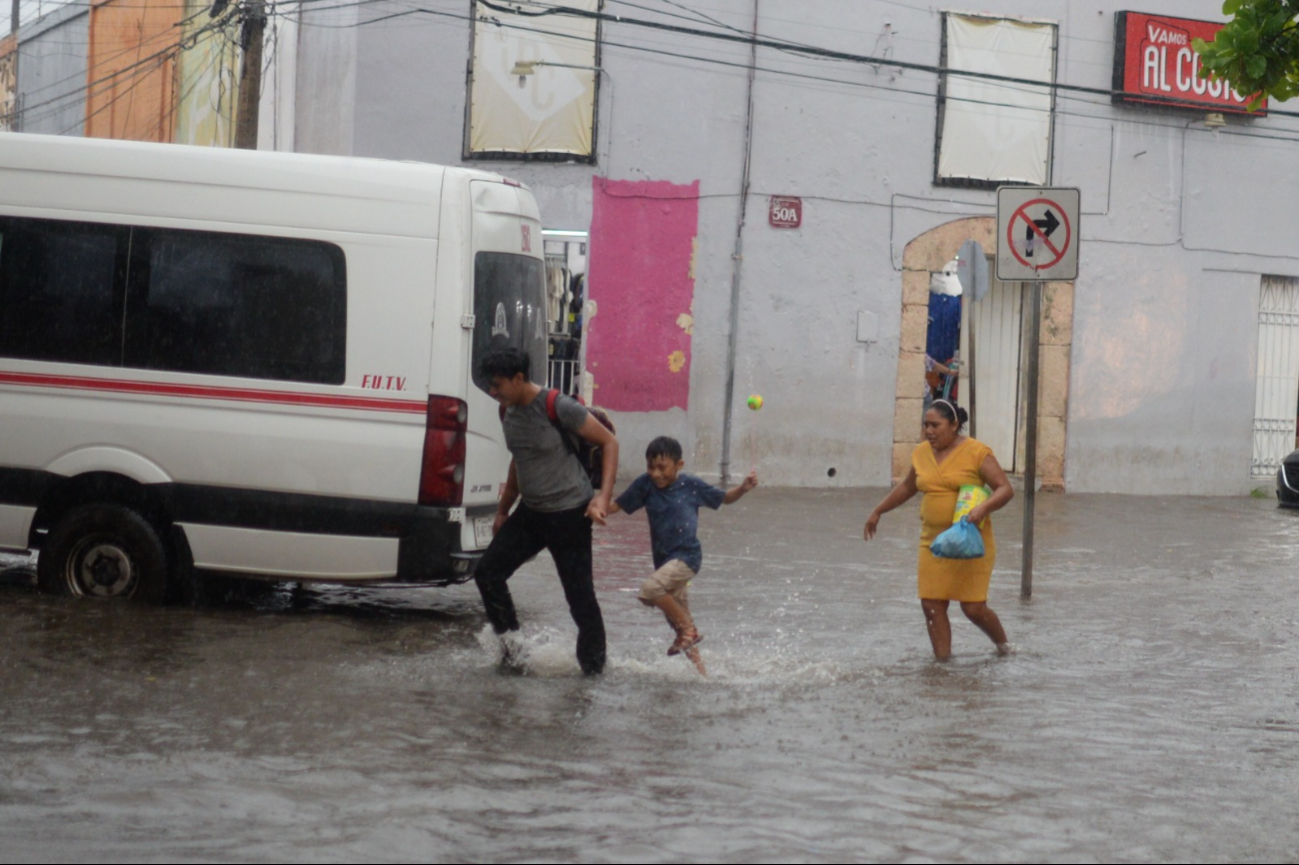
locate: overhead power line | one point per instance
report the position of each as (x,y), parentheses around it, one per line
(738,38)
(1082,93)
(546,10)
(882,89)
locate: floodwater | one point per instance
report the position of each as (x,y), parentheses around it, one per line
(1150,712)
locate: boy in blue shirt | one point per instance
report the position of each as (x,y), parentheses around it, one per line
(672,501)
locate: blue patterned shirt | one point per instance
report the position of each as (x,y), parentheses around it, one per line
(673,515)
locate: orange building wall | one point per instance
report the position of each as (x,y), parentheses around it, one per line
(8,81)
(132,69)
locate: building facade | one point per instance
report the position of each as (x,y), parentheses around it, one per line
(770,216)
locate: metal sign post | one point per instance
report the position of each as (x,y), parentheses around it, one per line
(1030,438)
(1037,241)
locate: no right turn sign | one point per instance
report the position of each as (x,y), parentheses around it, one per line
(1037,233)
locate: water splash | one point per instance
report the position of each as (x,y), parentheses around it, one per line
(542,652)
(547,653)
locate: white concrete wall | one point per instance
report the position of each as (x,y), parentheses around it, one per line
(1178,224)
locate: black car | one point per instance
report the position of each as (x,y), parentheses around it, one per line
(1287,481)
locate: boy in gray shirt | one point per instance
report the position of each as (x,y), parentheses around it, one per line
(558,504)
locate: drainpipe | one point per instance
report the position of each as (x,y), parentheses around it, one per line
(737,261)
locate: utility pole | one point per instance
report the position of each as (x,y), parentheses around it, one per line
(11,121)
(250,74)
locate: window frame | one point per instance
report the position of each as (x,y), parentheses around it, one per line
(941,111)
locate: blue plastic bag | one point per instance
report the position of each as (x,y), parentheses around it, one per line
(961,541)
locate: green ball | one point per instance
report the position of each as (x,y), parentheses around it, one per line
(755,402)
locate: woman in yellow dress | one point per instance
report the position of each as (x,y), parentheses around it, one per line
(940,466)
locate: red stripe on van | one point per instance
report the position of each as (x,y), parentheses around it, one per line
(363,403)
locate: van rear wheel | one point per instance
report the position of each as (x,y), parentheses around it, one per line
(103,551)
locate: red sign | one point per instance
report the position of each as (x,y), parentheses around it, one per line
(1155,64)
(1034,234)
(785,211)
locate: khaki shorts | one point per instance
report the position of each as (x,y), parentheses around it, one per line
(671,579)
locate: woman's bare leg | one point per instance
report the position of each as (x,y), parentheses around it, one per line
(940,628)
(983,616)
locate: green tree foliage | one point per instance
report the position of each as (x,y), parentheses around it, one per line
(1258,50)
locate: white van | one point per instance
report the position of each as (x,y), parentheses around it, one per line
(223,362)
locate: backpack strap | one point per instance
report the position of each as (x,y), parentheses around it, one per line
(552,396)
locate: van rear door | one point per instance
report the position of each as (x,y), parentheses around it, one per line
(509,308)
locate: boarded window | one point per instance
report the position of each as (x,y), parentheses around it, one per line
(989,131)
(533,84)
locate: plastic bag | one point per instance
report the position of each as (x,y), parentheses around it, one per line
(961,541)
(967,499)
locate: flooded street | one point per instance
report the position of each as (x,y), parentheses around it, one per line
(1150,713)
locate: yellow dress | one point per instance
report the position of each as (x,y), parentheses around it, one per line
(951,579)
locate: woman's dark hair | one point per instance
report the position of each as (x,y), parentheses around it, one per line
(505,363)
(951,411)
(664,446)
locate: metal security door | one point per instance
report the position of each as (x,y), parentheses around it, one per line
(997,322)
(1276,392)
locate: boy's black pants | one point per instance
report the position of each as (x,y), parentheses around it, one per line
(567,535)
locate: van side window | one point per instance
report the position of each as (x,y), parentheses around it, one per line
(57,297)
(237,305)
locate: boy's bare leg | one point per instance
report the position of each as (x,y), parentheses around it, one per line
(697,659)
(982,615)
(683,601)
(677,615)
(940,628)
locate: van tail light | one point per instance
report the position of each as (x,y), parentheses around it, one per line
(442,476)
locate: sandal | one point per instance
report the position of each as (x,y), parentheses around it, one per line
(685,640)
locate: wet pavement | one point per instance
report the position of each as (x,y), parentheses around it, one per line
(1150,713)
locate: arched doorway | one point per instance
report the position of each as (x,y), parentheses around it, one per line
(928,254)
